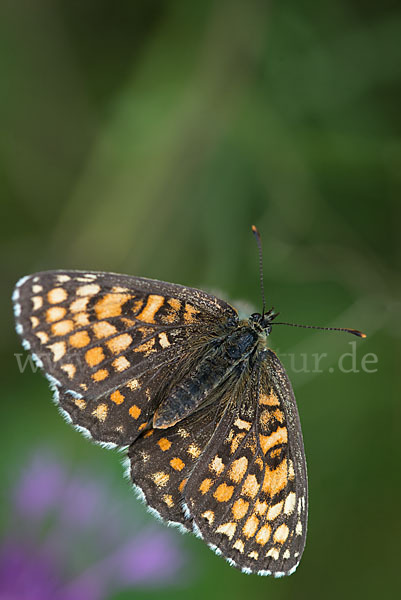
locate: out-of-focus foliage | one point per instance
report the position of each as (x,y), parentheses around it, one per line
(146,137)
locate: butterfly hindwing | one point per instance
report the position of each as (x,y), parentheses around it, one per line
(109,342)
(161,461)
(247,495)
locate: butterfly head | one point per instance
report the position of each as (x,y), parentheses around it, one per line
(263,322)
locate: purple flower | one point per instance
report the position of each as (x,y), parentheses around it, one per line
(74,539)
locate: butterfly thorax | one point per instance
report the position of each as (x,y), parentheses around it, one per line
(229,353)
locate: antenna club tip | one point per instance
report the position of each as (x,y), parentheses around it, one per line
(255,231)
(357,332)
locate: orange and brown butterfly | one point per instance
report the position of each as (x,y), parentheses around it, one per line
(203,408)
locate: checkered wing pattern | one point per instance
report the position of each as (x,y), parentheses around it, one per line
(161,461)
(110,343)
(247,494)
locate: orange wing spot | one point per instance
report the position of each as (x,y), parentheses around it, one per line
(241,424)
(94,356)
(160,478)
(224,492)
(154,302)
(259,463)
(103,329)
(251,486)
(88,290)
(119,343)
(133,384)
(121,363)
(37,302)
(240,508)
(34,322)
(238,469)
(80,403)
(70,369)
(269,400)
(62,327)
(43,337)
(100,375)
(57,295)
(147,347)
(279,415)
(209,516)
(100,412)
(260,508)
(81,319)
(117,397)
(263,535)
(281,534)
(182,484)
(58,349)
(137,305)
(250,526)
(228,529)
(163,340)
(174,303)
(276,480)
(110,305)
(148,433)
(78,305)
(205,485)
(236,441)
(274,511)
(177,464)
(55,313)
(239,545)
(164,444)
(190,313)
(142,426)
(134,411)
(79,339)
(217,465)
(280,436)
(275,453)
(168,499)
(193,451)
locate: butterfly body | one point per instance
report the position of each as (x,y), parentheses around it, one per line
(217,365)
(205,410)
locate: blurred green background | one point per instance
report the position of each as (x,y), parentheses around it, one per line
(146,137)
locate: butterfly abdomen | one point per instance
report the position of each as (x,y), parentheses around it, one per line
(192,391)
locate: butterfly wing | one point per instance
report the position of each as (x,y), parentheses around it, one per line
(162,460)
(110,344)
(247,494)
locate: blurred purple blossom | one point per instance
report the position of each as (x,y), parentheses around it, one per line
(74,539)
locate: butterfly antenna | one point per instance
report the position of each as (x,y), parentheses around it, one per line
(346,329)
(259,243)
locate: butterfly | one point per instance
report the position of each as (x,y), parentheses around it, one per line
(202,407)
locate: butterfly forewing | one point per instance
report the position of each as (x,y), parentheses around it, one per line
(110,343)
(248,494)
